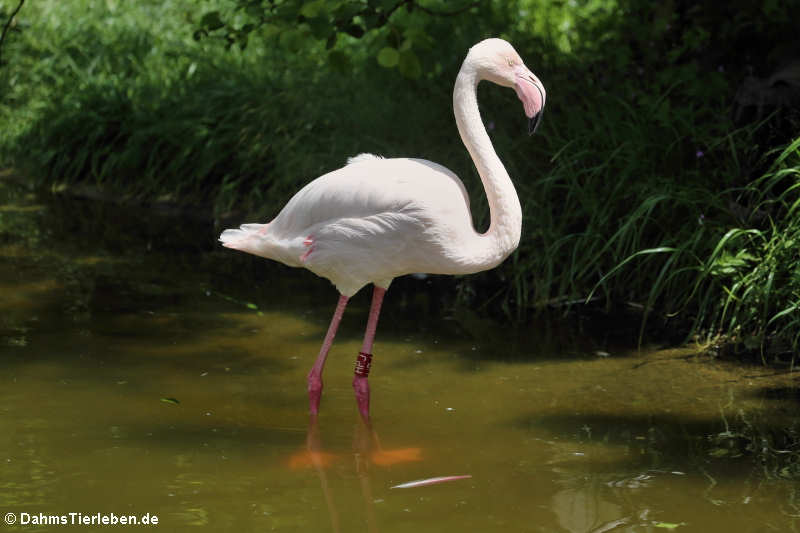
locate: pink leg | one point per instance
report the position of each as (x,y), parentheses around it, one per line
(315,376)
(360,383)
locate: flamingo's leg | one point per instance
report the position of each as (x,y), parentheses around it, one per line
(315,375)
(364,360)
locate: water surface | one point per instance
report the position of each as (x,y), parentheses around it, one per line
(143,370)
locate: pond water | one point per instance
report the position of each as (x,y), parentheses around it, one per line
(145,371)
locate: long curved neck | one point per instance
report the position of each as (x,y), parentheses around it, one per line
(505,227)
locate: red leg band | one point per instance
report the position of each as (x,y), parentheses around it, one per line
(363,364)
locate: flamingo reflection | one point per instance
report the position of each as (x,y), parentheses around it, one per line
(367,452)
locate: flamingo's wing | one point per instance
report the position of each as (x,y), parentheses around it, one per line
(370,186)
(369,221)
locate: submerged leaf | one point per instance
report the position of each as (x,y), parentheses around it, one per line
(170,400)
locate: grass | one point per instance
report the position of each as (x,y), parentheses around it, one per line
(638,193)
(145,111)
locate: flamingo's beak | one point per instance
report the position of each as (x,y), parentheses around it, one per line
(533,123)
(532,94)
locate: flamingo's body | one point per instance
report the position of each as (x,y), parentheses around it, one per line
(376,219)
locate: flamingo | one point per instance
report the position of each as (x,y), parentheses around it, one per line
(376,219)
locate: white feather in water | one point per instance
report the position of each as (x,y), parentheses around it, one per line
(429,481)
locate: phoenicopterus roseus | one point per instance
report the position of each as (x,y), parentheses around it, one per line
(376,219)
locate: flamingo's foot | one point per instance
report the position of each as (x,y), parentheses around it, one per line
(361,388)
(314,393)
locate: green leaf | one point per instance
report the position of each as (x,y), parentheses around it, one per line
(727,264)
(409,65)
(388,57)
(212,21)
(666,525)
(313,9)
(170,400)
(270,30)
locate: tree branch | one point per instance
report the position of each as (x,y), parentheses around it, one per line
(6,28)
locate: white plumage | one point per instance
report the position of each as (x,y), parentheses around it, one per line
(375,219)
(369,222)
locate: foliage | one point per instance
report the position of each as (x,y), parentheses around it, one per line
(744,289)
(638,192)
(9,20)
(658,192)
(757,268)
(392,25)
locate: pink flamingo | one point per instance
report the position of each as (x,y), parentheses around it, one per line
(375,219)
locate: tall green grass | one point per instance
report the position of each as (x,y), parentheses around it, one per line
(122,97)
(751,279)
(737,285)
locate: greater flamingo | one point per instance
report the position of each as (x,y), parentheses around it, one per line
(375,219)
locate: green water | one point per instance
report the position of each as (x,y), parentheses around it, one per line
(135,379)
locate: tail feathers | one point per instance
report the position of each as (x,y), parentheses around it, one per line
(255,239)
(238,238)
(233,238)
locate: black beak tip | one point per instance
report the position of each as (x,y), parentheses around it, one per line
(533,123)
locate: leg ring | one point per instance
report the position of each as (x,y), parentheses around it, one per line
(363,364)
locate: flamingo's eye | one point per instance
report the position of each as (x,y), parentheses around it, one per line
(510,61)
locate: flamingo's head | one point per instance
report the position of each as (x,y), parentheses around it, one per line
(497,61)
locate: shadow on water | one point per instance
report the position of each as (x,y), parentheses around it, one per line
(791,394)
(142,363)
(669,441)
